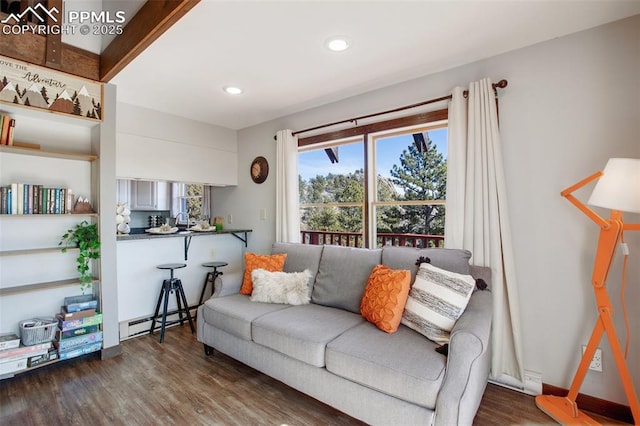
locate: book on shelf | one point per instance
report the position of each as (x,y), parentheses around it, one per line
(76,314)
(12,126)
(80,350)
(13,366)
(9,341)
(23,351)
(26,198)
(79,303)
(5,194)
(74,342)
(7,126)
(75,332)
(50,355)
(76,323)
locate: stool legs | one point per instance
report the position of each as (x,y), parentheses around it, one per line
(210,278)
(168,286)
(180,294)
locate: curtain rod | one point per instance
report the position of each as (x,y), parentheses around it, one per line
(499,85)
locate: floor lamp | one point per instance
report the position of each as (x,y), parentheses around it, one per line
(617,189)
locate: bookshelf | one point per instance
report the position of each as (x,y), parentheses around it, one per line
(48,153)
(36,275)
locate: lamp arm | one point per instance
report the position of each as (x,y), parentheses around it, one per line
(567,193)
(631,226)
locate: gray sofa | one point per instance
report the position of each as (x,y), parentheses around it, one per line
(328,351)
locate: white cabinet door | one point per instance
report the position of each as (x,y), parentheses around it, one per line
(123,188)
(144,195)
(164,198)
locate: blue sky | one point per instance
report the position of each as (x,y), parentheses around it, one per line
(313,163)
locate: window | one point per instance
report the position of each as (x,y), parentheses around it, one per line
(384,187)
(332,193)
(410,187)
(190,199)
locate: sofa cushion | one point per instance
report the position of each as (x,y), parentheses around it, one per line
(300,257)
(302,332)
(343,275)
(291,288)
(403,364)
(453,260)
(436,301)
(235,313)
(254,261)
(385,296)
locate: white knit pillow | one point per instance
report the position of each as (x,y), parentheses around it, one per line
(436,300)
(291,288)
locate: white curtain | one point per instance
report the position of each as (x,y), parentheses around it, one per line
(477,216)
(287,196)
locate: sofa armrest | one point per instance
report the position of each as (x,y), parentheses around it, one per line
(229,283)
(468,363)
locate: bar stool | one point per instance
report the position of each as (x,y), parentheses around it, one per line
(211,277)
(168,286)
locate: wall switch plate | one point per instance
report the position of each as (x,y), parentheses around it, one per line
(263,214)
(229,218)
(596,361)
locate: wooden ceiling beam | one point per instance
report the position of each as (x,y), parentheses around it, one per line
(152,20)
(32,48)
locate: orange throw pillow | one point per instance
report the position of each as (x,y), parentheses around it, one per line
(273,263)
(385,296)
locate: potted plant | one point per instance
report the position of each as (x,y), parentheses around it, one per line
(85,238)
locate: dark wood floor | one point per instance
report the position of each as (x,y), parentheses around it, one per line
(174,383)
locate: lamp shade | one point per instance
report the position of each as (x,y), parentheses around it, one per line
(619,186)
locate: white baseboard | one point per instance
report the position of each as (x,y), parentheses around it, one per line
(139,326)
(532,383)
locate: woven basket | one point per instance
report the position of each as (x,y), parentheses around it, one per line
(38,330)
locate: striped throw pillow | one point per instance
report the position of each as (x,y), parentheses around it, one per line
(436,300)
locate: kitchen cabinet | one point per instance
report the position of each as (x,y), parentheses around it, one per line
(146,195)
(123,189)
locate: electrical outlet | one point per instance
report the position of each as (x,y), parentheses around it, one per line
(596,361)
(212,254)
(229,219)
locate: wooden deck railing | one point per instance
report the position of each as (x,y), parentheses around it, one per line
(355,239)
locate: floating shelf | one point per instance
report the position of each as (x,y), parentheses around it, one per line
(39,286)
(46,153)
(34,251)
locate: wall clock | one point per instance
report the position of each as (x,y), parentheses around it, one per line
(259,169)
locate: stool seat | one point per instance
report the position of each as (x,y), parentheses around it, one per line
(214,264)
(172,266)
(169,286)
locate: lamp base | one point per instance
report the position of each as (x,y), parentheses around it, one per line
(563,410)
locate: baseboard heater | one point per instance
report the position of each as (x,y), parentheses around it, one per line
(139,326)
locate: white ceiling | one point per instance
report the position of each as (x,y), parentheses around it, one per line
(275,51)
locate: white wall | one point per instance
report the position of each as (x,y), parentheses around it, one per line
(571,103)
(153,145)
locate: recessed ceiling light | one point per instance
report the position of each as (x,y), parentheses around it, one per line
(337,44)
(232,90)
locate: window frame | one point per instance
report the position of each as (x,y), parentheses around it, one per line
(366,134)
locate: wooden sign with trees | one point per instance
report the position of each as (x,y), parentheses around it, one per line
(38,87)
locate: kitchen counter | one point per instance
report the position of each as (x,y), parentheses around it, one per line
(148,236)
(241,234)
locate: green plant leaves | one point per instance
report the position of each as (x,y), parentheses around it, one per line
(85,237)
